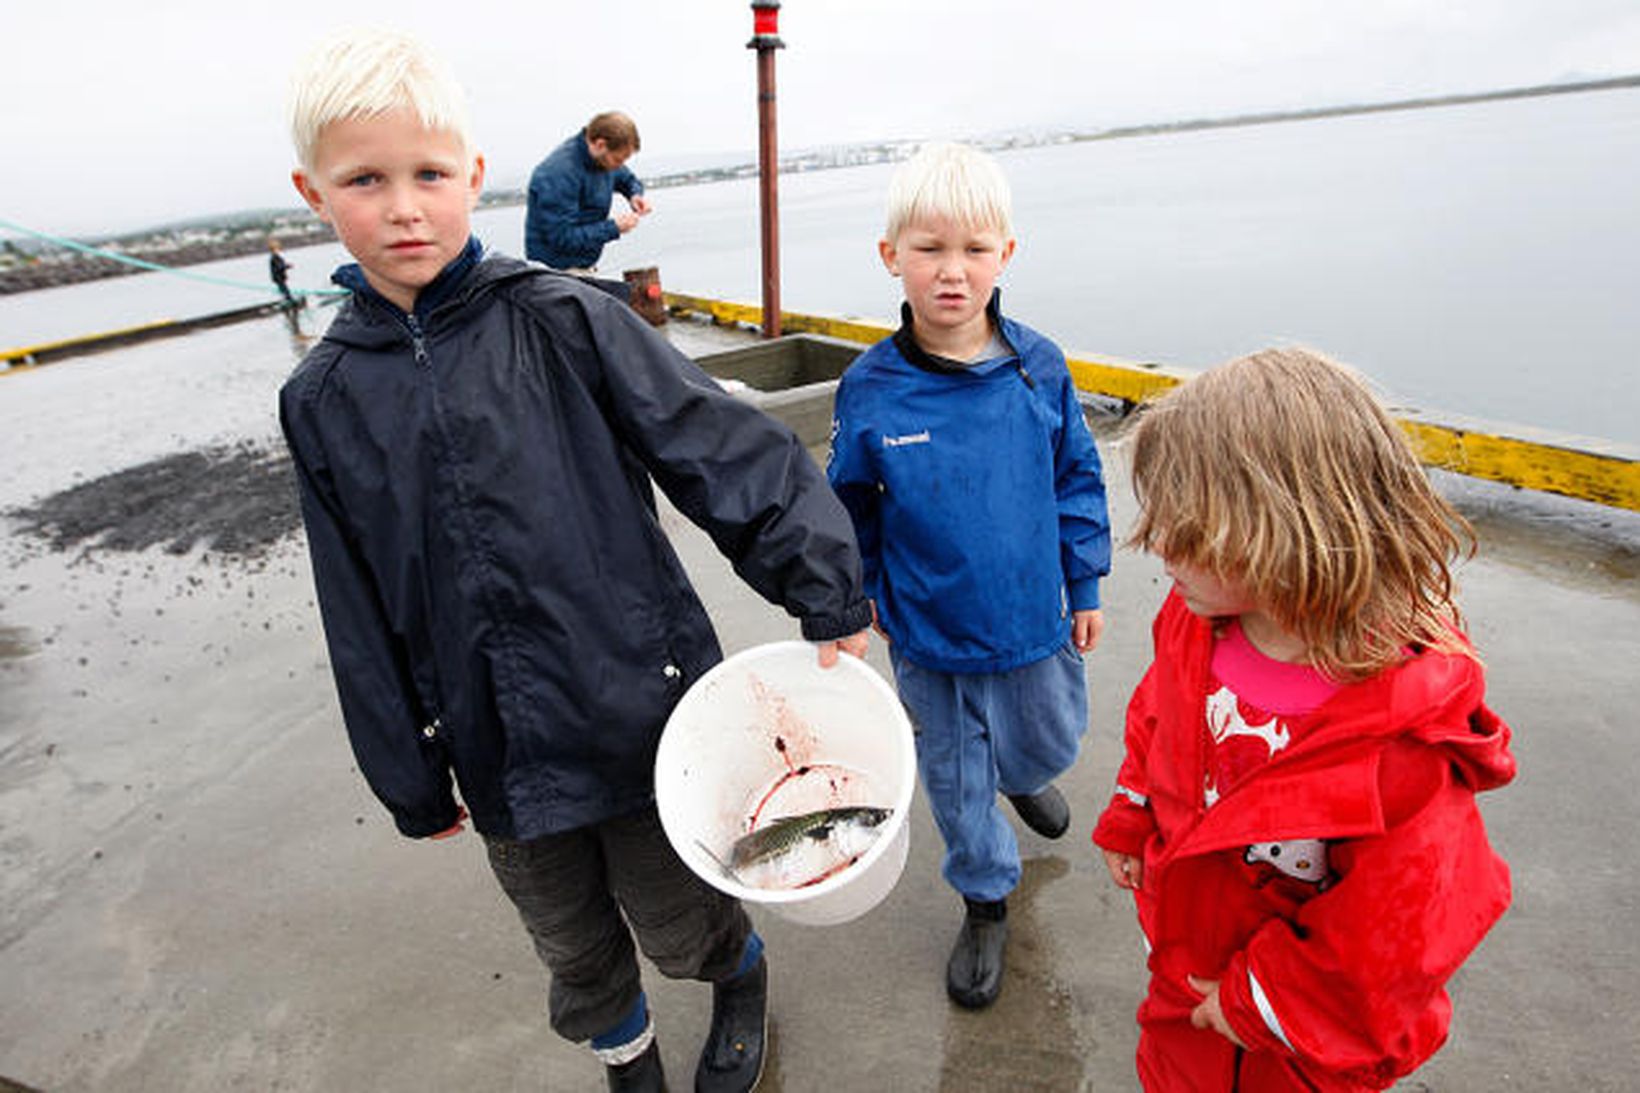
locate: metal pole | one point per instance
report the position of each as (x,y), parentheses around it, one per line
(768,162)
(765,39)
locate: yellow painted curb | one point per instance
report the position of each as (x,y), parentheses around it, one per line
(1128,382)
(727,313)
(1592,470)
(23,356)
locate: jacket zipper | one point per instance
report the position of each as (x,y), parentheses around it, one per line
(418,341)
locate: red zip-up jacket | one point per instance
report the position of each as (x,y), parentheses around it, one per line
(1347,975)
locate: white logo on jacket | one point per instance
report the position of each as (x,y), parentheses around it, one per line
(909,438)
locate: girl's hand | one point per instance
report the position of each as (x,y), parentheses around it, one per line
(455,828)
(1086,626)
(1209,1015)
(1125,869)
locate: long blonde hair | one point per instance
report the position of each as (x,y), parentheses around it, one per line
(1282,471)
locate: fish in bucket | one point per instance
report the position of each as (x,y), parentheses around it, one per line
(789,785)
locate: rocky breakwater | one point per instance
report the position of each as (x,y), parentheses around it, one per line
(52,266)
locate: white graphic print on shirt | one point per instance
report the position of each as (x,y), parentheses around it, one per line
(1302,859)
(1224,722)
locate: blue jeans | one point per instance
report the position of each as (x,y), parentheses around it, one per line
(1012,732)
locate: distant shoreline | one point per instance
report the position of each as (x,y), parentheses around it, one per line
(236,236)
(1614,83)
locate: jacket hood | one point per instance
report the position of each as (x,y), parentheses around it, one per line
(1432,698)
(905,340)
(369,320)
(1438,699)
(1432,701)
(1019,340)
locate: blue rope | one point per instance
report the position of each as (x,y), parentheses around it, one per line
(157,268)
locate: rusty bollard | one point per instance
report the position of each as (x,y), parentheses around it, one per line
(645,286)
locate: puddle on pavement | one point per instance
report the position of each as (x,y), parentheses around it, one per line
(1031,1037)
(1578,544)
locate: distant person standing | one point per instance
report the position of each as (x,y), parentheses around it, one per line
(279,269)
(568,219)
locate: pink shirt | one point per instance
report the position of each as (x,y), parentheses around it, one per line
(1251,701)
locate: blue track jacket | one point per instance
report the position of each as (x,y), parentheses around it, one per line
(977,497)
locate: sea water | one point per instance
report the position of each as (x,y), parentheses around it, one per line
(1482,259)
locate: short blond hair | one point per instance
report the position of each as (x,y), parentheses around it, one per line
(364,73)
(954,181)
(1282,471)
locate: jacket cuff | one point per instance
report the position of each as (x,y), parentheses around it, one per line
(1084,594)
(832,627)
(422,824)
(1249,1011)
(1124,827)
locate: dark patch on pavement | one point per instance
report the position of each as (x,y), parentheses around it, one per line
(13,643)
(9,1086)
(237,500)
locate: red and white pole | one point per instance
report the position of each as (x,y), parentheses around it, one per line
(766,39)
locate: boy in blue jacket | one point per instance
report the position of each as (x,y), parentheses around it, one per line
(961,453)
(474,441)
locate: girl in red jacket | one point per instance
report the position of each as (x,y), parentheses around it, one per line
(1296,814)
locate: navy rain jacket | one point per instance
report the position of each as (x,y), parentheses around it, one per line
(499,598)
(566,220)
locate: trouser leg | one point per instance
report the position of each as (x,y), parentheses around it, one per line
(1176,1057)
(1040,712)
(688,928)
(1283,1073)
(956,757)
(560,887)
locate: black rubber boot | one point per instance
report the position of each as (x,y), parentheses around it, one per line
(641,1075)
(973,977)
(732,1060)
(1044,812)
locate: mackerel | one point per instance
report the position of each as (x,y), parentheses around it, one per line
(794,851)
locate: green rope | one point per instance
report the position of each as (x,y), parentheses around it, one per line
(157,268)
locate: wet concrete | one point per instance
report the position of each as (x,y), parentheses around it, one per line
(197,892)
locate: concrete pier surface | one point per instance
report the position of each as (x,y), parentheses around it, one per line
(198,892)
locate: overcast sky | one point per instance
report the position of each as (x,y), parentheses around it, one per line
(118,115)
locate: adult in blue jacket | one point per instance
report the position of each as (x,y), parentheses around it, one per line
(568,219)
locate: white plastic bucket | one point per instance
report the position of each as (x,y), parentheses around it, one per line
(769,733)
